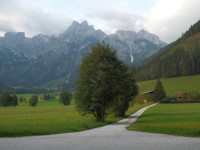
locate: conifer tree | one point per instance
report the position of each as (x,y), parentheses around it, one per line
(159,92)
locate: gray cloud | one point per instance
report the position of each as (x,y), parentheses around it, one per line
(5,26)
(116,20)
(170,21)
(31,20)
(167,18)
(37,21)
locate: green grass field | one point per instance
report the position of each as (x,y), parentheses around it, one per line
(49,117)
(173,85)
(175,119)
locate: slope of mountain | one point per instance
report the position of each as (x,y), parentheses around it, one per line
(180,58)
(37,61)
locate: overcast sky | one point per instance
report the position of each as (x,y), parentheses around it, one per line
(166,18)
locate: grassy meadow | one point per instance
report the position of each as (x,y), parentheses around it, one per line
(173,85)
(48,117)
(175,119)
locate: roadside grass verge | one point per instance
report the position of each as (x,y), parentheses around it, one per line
(49,117)
(174,119)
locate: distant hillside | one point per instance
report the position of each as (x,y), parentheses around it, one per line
(173,85)
(180,58)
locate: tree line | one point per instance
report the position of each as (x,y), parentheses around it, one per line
(194,30)
(9,100)
(180,62)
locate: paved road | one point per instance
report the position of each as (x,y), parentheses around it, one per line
(110,137)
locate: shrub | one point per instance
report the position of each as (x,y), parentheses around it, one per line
(48,97)
(143,98)
(33,100)
(14,101)
(191,97)
(6,100)
(65,98)
(168,99)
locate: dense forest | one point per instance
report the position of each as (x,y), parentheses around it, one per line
(180,58)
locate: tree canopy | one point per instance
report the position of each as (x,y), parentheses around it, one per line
(104,83)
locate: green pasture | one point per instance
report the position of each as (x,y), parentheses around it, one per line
(49,117)
(173,85)
(175,119)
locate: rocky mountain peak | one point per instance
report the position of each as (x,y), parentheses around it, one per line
(78,31)
(15,36)
(150,37)
(41,37)
(125,32)
(79,27)
(84,23)
(143,32)
(124,35)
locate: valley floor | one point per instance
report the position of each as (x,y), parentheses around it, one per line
(110,137)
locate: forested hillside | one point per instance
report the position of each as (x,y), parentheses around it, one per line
(180,58)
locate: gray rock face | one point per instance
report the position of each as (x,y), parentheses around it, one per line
(134,47)
(49,59)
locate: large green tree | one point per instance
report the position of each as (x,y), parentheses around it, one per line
(104,82)
(159,92)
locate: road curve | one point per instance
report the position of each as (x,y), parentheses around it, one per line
(110,137)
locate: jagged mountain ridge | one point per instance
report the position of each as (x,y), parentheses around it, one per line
(49,58)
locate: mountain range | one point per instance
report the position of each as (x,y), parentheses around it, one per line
(50,61)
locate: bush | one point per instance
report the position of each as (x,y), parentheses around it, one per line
(48,97)
(191,97)
(143,98)
(14,101)
(168,99)
(6,100)
(65,98)
(33,100)
(187,98)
